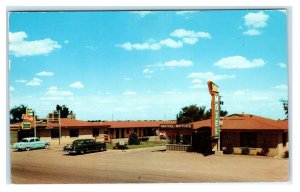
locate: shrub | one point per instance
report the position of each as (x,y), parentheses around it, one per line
(245,151)
(229,149)
(133,139)
(264,150)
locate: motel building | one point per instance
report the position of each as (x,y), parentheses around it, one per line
(238,132)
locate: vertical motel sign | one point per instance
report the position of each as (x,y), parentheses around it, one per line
(215,109)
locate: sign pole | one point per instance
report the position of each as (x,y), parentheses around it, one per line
(34,125)
(59,126)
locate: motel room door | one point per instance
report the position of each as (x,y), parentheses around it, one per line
(201,141)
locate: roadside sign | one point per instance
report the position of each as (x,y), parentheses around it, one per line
(26,125)
(28,118)
(216,115)
(29,112)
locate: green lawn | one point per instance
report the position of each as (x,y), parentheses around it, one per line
(142,145)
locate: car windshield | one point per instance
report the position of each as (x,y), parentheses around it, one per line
(24,140)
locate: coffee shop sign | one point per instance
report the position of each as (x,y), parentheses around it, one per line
(172,126)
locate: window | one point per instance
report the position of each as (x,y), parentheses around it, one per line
(74,132)
(127,131)
(54,133)
(284,139)
(135,130)
(95,132)
(31,140)
(248,139)
(37,139)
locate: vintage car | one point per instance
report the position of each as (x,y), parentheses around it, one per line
(81,146)
(31,143)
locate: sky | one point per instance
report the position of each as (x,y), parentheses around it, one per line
(147,65)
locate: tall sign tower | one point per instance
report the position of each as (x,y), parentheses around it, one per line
(215,115)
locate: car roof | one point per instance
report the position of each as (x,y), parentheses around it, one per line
(31,138)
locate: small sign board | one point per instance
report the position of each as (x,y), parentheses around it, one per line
(174,126)
(26,125)
(29,112)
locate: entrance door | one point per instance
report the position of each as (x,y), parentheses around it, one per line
(201,141)
(117,133)
(122,133)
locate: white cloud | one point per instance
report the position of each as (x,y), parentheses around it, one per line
(239,62)
(45,73)
(252,32)
(188,37)
(21,81)
(181,33)
(185,12)
(147,71)
(127,79)
(143,107)
(140,46)
(280,87)
(66,41)
(175,63)
(171,43)
(34,82)
(256,20)
(190,40)
(209,76)
(130,93)
(281,65)
(77,84)
(142,13)
(11,88)
(57,92)
(197,81)
(19,47)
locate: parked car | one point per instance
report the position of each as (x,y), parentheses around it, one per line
(28,143)
(81,146)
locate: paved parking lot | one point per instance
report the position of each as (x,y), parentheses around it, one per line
(147,165)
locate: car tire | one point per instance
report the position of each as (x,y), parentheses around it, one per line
(46,146)
(82,152)
(104,148)
(27,148)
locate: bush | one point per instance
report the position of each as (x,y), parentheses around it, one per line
(264,150)
(286,154)
(229,149)
(245,151)
(133,139)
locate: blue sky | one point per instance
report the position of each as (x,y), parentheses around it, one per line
(134,65)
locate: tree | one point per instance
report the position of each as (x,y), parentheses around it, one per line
(133,139)
(285,104)
(190,114)
(16,113)
(194,113)
(207,114)
(64,111)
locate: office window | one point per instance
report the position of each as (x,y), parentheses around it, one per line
(74,132)
(54,133)
(248,139)
(95,132)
